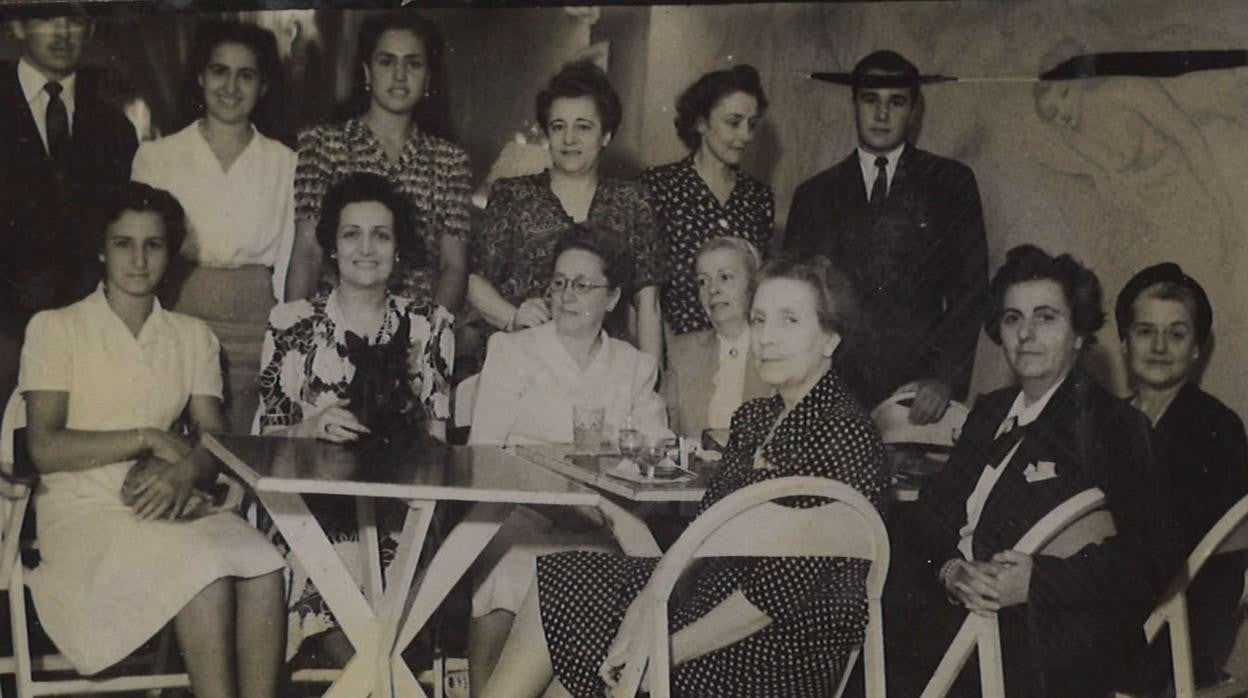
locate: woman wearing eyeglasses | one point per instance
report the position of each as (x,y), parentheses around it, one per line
(529,385)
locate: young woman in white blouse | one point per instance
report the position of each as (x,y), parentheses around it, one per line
(237,187)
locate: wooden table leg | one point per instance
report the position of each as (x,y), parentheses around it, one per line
(336,585)
(453,558)
(402,572)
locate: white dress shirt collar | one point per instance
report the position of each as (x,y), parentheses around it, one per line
(866,160)
(32,82)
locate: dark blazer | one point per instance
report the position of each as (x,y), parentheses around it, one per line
(1081,628)
(1201,448)
(919,266)
(692,360)
(43,231)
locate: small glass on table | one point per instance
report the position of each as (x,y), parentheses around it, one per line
(587,428)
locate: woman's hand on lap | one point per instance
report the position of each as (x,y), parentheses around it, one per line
(164,492)
(630,642)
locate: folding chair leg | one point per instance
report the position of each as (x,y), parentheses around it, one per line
(21,636)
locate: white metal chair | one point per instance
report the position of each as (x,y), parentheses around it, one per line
(465,400)
(1062,532)
(749,523)
(1229,534)
(15,492)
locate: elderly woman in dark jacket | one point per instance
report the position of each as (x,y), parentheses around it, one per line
(1069,626)
(1164,319)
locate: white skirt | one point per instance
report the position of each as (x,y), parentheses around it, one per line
(108,581)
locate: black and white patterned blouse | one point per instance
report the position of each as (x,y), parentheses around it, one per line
(433,173)
(817,605)
(689,215)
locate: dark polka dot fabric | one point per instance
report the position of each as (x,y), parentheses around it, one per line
(689,215)
(817,605)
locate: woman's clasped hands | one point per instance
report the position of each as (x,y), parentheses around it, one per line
(162,483)
(985,587)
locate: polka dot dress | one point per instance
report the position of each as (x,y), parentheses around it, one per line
(689,215)
(817,605)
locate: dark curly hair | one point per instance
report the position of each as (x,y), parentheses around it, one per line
(357,188)
(432,113)
(582,79)
(836,303)
(263,45)
(697,101)
(1079,284)
(141,198)
(1166,281)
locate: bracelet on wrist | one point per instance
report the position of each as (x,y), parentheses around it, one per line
(511,324)
(142,440)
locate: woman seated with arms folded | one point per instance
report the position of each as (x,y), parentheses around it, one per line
(513,249)
(1069,626)
(710,372)
(529,385)
(308,365)
(104,380)
(746,627)
(1164,318)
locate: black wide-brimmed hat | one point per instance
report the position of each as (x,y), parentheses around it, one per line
(882,69)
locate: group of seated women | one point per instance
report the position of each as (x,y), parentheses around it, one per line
(567,267)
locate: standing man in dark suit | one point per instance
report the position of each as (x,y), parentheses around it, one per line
(908,228)
(62,147)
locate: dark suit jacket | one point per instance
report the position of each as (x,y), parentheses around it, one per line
(692,360)
(43,226)
(1081,627)
(919,266)
(1201,448)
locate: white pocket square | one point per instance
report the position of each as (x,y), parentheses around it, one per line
(1040,471)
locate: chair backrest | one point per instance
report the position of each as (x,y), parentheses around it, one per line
(748,523)
(465,399)
(14,419)
(1066,529)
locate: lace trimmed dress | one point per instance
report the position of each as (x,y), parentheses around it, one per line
(817,605)
(107,580)
(306,368)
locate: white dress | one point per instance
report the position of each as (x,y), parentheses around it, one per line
(528,386)
(107,580)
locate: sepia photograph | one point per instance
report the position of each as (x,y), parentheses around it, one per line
(490,349)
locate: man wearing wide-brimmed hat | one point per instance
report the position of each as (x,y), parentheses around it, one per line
(908,227)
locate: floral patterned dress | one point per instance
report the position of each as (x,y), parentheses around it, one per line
(305,368)
(818,606)
(689,215)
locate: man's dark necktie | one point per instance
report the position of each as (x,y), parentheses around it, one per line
(879,190)
(57,123)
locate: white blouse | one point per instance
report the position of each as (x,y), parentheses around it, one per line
(530,382)
(236,217)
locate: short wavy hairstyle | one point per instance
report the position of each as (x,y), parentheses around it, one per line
(697,101)
(1166,281)
(1080,287)
(582,79)
(745,248)
(261,43)
(617,260)
(836,303)
(360,187)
